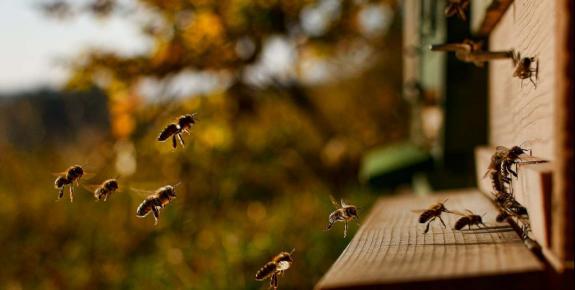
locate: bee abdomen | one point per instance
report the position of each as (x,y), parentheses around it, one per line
(461,223)
(266,271)
(60,182)
(425,216)
(143,209)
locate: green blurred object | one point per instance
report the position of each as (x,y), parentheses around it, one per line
(393,165)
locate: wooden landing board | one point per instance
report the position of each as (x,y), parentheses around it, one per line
(390,250)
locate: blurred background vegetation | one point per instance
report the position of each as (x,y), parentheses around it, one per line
(290,96)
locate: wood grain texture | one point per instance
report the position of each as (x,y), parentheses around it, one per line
(519,114)
(390,250)
(563,199)
(491,16)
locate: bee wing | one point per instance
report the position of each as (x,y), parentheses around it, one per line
(144,191)
(170,130)
(418,210)
(343,203)
(501,149)
(334,202)
(90,187)
(458,213)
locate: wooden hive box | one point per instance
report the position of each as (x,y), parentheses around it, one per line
(390,251)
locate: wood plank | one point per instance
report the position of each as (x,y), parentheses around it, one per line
(390,250)
(563,198)
(519,114)
(490,16)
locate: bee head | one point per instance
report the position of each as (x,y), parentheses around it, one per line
(526,61)
(186,120)
(285,257)
(170,191)
(111,184)
(351,211)
(76,170)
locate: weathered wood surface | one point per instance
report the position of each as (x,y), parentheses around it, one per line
(542,116)
(390,250)
(524,113)
(490,14)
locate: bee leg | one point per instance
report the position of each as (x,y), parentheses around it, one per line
(71,193)
(274,281)
(61,193)
(174,144)
(443,223)
(329,225)
(345,230)
(427,226)
(181,139)
(156,213)
(533,82)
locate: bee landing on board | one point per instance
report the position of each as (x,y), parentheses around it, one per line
(105,190)
(68,177)
(343,213)
(272,269)
(175,130)
(524,70)
(456,7)
(156,201)
(468,219)
(430,214)
(471,51)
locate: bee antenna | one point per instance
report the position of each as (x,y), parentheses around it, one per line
(177,184)
(292,250)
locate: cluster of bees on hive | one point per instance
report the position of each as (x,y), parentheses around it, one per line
(501,173)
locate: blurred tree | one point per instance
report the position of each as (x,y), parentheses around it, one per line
(302,89)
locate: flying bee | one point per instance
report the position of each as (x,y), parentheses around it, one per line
(523,68)
(175,130)
(430,214)
(468,219)
(271,270)
(456,7)
(343,213)
(68,177)
(105,190)
(156,201)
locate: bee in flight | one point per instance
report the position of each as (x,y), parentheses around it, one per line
(73,173)
(524,70)
(456,7)
(430,214)
(156,201)
(343,213)
(175,130)
(468,219)
(105,190)
(272,269)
